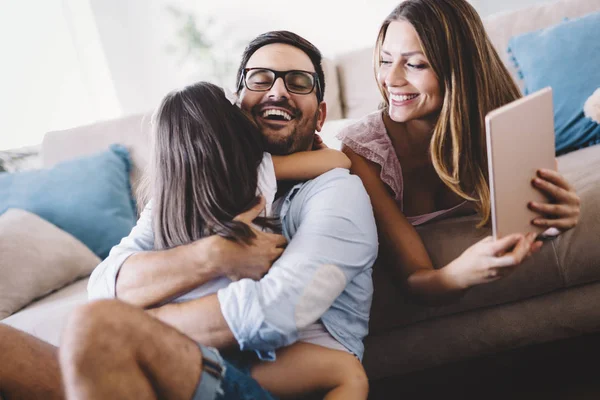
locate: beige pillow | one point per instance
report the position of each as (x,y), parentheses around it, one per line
(37,258)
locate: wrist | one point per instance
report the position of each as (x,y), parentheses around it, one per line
(205,256)
(451,279)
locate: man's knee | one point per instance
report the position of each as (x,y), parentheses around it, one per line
(93,327)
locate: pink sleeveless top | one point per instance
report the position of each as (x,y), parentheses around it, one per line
(369,139)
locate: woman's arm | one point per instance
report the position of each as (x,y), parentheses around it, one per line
(411,263)
(483,262)
(306,165)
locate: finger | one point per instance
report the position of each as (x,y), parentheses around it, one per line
(276,253)
(251,214)
(554,177)
(505,243)
(280,240)
(558,210)
(558,193)
(562,224)
(536,246)
(517,254)
(318,138)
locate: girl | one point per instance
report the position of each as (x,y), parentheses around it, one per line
(423,155)
(208,166)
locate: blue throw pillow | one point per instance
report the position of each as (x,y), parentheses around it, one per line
(565,57)
(89,197)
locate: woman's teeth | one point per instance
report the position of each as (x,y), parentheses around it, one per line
(402,97)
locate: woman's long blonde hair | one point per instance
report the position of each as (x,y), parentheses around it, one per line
(473,80)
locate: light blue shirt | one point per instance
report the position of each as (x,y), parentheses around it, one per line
(324,273)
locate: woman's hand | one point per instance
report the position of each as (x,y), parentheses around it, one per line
(563,212)
(488,260)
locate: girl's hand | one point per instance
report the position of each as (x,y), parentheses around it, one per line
(488,260)
(318,143)
(564,211)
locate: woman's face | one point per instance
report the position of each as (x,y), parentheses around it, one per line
(407,77)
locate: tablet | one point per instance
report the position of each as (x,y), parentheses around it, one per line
(520,140)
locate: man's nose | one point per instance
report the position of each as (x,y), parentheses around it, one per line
(278,90)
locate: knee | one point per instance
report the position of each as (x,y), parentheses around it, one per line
(355,377)
(93,327)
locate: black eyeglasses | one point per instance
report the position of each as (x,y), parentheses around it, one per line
(296,81)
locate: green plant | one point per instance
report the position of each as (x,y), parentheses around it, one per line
(207,42)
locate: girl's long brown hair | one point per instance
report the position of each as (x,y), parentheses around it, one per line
(473,80)
(203,170)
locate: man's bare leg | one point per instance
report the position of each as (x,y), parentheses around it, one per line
(111,350)
(28,367)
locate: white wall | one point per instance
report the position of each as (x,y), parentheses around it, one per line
(71,62)
(489,7)
(52,71)
(136,33)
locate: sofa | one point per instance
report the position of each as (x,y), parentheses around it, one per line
(553,295)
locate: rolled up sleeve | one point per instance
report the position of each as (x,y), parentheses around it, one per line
(332,237)
(103,281)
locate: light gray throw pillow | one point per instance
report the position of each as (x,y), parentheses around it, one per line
(37,258)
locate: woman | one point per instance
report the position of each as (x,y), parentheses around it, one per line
(423,155)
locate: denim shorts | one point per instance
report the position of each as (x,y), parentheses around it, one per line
(228,378)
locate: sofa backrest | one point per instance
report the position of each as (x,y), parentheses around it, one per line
(351,90)
(358,88)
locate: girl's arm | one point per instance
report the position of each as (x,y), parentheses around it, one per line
(305,165)
(305,368)
(483,262)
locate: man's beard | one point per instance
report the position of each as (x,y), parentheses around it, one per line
(292,143)
(295,140)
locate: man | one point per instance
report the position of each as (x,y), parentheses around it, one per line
(111,349)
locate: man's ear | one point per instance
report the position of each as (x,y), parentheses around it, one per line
(321,115)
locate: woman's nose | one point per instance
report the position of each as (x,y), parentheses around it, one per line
(396,75)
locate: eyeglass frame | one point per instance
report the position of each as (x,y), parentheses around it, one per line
(282,74)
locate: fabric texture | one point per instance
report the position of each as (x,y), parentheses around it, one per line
(36,259)
(88,197)
(368,138)
(328,220)
(565,57)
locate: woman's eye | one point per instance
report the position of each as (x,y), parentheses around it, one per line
(386,62)
(417,66)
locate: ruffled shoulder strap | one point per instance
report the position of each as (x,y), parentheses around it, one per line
(369,139)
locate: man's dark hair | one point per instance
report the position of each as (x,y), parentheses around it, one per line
(292,39)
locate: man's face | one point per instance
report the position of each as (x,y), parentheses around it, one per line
(291,128)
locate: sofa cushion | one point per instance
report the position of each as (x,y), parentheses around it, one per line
(569,260)
(565,57)
(501,27)
(37,258)
(89,197)
(358,87)
(46,318)
(132,131)
(578,249)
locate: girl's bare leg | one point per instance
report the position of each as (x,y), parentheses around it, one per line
(304,368)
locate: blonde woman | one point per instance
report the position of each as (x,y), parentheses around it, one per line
(422,157)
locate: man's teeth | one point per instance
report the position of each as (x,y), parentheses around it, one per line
(281,113)
(402,97)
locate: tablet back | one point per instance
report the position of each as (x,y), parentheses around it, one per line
(520,140)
